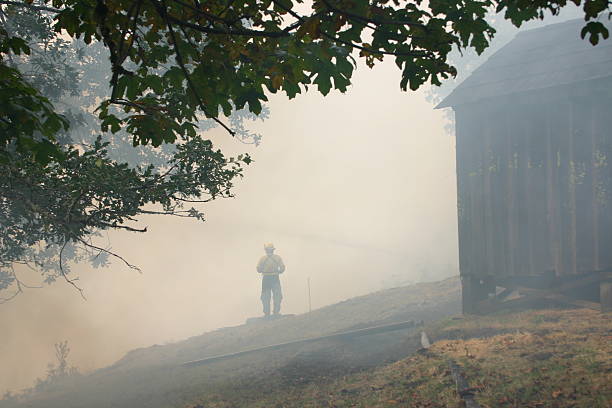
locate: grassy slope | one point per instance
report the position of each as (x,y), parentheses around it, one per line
(153,377)
(546,358)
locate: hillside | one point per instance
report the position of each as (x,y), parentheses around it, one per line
(530,359)
(154,377)
(554,358)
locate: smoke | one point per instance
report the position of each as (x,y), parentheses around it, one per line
(354,190)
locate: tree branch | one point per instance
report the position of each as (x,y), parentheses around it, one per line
(372,50)
(161,9)
(125,227)
(135,6)
(204,13)
(238,32)
(182,214)
(372,20)
(17,291)
(87,244)
(349,43)
(61,267)
(193,201)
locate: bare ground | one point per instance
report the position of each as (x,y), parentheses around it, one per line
(155,378)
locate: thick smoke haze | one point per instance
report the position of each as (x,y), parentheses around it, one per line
(357,192)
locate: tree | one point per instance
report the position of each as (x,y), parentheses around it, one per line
(39,213)
(174,63)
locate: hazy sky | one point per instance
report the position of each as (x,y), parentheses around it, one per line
(356,190)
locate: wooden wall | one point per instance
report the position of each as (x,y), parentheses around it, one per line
(534,178)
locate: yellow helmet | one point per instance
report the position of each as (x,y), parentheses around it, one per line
(269,246)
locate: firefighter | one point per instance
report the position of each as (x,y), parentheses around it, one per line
(270,266)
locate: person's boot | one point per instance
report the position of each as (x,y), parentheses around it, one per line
(266,308)
(277,308)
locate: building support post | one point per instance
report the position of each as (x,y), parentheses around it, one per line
(474,290)
(605,296)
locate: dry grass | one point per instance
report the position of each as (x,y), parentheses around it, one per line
(551,358)
(544,358)
(153,377)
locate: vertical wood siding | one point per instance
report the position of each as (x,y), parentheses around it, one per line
(534,187)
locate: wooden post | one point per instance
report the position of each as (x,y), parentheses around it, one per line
(474,290)
(467,295)
(309,301)
(605,296)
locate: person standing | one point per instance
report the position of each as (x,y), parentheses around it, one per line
(270,266)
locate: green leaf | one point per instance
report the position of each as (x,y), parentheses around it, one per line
(594,29)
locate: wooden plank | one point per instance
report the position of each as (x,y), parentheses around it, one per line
(571,190)
(556,293)
(462,121)
(592,278)
(603,186)
(521,303)
(522,195)
(475,177)
(500,188)
(511,164)
(530,299)
(540,240)
(488,221)
(530,187)
(552,191)
(583,184)
(530,295)
(536,293)
(595,201)
(497,178)
(562,124)
(336,336)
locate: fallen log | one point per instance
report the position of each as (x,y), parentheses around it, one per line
(336,336)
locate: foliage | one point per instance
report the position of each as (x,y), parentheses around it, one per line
(74,76)
(59,373)
(87,192)
(174,64)
(172,60)
(59,370)
(24,112)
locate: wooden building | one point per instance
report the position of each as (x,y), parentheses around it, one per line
(534,168)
